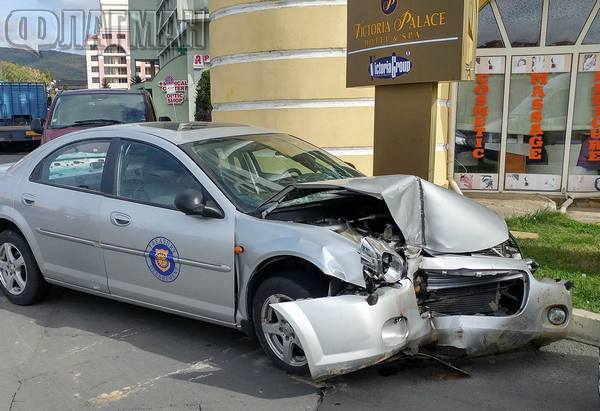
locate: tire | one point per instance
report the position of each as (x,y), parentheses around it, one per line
(20,278)
(287,286)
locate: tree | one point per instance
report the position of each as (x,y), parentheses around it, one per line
(14,73)
(136,80)
(105,83)
(203,100)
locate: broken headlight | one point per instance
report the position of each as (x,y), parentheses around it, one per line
(380,262)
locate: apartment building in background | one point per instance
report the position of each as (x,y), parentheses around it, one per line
(108,56)
(174,50)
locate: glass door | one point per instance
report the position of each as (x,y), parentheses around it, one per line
(537,120)
(479,126)
(584,158)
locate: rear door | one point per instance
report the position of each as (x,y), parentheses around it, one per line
(61,202)
(156,254)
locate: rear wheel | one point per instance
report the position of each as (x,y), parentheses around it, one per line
(20,278)
(277,337)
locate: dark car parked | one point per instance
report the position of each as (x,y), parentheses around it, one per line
(80,109)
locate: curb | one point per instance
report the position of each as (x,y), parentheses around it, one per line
(585,327)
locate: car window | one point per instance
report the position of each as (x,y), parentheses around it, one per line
(150,175)
(271,162)
(73,110)
(78,165)
(252,169)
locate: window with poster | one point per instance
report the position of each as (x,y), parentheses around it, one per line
(584,158)
(479,126)
(537,120)
(531,120)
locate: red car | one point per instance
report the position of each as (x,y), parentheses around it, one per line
(80,109)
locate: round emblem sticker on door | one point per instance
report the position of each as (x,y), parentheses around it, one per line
(162,259)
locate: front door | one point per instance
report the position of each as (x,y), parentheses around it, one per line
(156,254)
(61,203)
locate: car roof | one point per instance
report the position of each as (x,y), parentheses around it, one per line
(180,133)
(100,91)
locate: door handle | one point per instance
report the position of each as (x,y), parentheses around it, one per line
(120,219)
(28,199)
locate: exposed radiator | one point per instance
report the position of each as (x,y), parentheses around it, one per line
(448,294)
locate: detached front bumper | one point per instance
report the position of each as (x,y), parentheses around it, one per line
(343,334)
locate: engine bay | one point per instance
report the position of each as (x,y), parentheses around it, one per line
(361,218)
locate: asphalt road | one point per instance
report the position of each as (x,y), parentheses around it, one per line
(10,156)
(76,351)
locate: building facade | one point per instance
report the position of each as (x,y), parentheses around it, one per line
(282,65)
(529,122)
(179,51)
(108,57)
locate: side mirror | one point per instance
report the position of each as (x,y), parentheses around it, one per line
(191,202)
(36,126)
(165,118)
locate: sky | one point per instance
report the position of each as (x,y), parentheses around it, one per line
(37,24)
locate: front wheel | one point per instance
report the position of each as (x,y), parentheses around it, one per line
(277,337)
(20,278)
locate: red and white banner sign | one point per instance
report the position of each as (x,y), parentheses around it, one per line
(175,90)
(200,60)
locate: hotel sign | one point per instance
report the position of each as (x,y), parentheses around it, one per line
(410,41)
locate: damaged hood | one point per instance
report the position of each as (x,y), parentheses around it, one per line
(429,216)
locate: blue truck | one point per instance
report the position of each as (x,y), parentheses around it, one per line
(20,103)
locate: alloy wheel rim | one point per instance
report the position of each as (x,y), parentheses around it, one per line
(13,270)
(280,335)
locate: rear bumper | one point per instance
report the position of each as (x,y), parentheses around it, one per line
(16,134)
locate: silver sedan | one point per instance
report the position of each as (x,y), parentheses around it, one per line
(255,230)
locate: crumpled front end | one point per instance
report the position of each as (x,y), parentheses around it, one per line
(489,305)
(441,274)
(466,306)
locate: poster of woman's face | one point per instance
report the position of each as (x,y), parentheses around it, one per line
(590,62)
(466,182)
(490,65)
(487,182)
(520,66)
(557,64)
(537,64)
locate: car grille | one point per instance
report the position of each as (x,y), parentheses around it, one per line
(493,295)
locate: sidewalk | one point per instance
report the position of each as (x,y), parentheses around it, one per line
(585,215)
(514,205)
(517,205)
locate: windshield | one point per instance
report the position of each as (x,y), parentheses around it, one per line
(81,109)
(253,169)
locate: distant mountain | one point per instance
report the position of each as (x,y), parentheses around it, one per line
(66,68)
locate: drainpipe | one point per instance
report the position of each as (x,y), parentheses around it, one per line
(454,187)
(572,197)
(451,141)
(567,204)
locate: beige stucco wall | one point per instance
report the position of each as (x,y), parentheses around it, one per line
(284,68)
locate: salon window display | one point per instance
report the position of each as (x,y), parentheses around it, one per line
(537,119)
(584,158)
(479,126)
